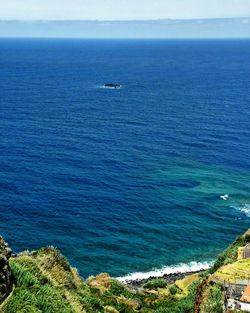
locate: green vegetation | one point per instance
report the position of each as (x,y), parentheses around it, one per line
(237,271)
(230,254)
(155,283)
(44,282)
(212,300)
(182,305)
(173,290)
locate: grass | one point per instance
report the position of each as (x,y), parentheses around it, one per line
(235,272)
(34,290)
(185,283)
(230,255)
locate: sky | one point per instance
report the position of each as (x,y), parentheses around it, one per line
(121,9)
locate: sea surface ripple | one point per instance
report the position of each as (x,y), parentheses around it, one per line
(125,181)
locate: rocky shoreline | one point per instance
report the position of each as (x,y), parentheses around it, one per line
(169,278)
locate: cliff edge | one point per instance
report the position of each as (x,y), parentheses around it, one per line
(5,273)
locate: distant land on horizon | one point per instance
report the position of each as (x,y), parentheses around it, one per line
(164,28)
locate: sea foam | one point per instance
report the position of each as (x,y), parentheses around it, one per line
(166,270)
(244,209)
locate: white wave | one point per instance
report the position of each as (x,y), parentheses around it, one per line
(224,197)
(245,209)
(174,269)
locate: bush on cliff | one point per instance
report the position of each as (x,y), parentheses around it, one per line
(183,305)
(155,283)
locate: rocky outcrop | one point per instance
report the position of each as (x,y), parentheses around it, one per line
(112,86)
(5,274)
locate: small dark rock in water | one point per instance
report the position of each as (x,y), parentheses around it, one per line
(112,86)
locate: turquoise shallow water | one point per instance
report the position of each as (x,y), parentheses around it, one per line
(129,180)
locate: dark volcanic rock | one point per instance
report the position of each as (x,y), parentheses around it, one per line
(112,86)
(5,274)
(169,278)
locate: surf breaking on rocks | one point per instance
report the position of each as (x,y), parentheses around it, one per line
(167,270)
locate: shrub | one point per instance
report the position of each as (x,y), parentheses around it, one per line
(173,290)
(155,283)
(185,305)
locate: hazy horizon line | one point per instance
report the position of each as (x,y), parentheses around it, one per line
(127,38)
(211,28)
(123,20)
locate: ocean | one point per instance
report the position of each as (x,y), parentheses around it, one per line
(153,177)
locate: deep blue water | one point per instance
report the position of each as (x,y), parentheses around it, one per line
(124,180)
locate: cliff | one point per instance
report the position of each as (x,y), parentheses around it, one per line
(5,273)
(43,281)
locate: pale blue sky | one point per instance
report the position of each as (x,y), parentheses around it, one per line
(121,9)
